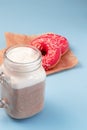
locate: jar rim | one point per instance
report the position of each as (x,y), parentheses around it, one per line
(22,45)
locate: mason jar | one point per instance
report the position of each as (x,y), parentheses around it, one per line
(22,79)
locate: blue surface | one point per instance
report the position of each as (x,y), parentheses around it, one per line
(66,92)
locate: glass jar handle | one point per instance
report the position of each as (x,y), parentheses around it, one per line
(2,100)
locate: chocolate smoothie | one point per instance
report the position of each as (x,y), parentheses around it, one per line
(24,102)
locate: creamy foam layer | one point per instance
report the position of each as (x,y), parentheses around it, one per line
(22,55)
(32,79)
(25,80)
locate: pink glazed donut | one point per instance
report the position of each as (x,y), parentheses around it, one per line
(52,47)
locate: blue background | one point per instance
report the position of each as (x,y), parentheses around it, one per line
(66,92)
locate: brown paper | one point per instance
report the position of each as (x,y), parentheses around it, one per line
(69,60)
(1,55)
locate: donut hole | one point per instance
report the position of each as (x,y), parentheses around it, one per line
(44,50)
